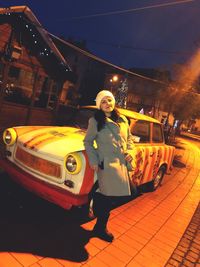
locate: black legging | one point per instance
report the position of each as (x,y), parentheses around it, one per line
(101,204)
(101,208)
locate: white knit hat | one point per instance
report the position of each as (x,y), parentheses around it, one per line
(101,95)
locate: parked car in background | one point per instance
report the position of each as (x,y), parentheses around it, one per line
(51,161)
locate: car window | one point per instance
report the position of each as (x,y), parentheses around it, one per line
(157,135)
(141,131)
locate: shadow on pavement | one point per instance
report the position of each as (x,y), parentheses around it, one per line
(177,162)
(29,224)
(179,147)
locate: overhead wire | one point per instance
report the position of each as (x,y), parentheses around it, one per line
(119,46)
(102,60)
(119,12)
(115,66)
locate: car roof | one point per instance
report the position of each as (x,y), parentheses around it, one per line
(128,113)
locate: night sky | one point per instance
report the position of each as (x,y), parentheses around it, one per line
(150,37)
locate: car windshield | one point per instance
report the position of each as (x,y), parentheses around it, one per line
(80,118)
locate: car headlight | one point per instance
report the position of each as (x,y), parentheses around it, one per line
(73,163)
(9,136)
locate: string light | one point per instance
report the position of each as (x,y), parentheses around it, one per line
(36,37)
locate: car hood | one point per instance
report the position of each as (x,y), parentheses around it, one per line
(56,141)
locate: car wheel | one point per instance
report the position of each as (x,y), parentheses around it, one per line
(87,210)
(155,183)
(90,209)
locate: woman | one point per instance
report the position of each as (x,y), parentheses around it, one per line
(110,131)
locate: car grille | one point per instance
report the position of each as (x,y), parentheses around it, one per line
(38,164)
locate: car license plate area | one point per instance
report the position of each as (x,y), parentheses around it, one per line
(41,165)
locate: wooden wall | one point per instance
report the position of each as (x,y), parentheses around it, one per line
(15,115)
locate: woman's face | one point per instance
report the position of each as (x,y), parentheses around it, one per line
(107,104)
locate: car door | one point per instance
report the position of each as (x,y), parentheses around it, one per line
(145,154)
(157,143)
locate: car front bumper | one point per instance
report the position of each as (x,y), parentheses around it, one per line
(50,192)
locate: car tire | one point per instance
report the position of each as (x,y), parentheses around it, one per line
(88,207)
(156,182)
(87,210)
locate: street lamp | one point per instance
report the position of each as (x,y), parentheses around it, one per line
(115,78)
(113,81)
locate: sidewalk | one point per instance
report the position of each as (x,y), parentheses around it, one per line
(187,252)
(147,229)
(190,136)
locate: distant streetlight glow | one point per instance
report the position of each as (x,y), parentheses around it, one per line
(115,78)
(113,82)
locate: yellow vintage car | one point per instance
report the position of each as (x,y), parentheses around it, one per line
(51,161)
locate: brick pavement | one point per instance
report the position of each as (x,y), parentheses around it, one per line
(187,252)
(150,230)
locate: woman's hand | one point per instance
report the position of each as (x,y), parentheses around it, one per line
(128,157)
(95,167)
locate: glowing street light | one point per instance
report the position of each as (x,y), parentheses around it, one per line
(115,78)
(113,81)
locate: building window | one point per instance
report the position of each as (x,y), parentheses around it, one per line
(1,71)
(19,86)
(47,93)
(14,72)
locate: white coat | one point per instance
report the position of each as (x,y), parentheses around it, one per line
(113,179)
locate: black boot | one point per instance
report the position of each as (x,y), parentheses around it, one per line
(103,233)
(102,212)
